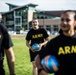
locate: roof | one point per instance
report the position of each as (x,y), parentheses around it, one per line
(30,4)
(18,7)
(55,13)
(12,4)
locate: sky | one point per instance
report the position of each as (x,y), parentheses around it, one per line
(42,4)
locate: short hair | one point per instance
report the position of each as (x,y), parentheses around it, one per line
(35,19)
(73,12)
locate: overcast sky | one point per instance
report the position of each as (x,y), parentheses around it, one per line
(42,4)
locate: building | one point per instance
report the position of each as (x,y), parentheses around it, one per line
(20,17)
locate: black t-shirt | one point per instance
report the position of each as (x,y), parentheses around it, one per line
(64,48)
(5,40)
(36,36)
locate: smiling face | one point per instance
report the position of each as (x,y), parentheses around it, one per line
(67,21)
(35,24)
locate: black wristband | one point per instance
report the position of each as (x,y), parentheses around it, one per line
(39,70)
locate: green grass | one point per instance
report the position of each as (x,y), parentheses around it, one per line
(23,66)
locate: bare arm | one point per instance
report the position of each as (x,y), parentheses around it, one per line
(45,42)
(37,61)
(28,45)
(10,60)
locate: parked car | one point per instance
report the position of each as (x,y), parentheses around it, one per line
(21,31)
(48,32)
(25,32)
(54,33)
(17,32)
(12,32)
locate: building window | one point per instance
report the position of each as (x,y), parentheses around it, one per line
(35,16)
(41,26)
(9,17)
(17,20)
(55,27)
(18,13)
(42,17)
(48,27)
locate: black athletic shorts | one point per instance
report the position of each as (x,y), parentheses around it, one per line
(33,55)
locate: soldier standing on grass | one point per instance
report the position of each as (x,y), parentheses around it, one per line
(36,35)
(6,48)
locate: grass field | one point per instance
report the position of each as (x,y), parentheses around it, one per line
(22,60)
